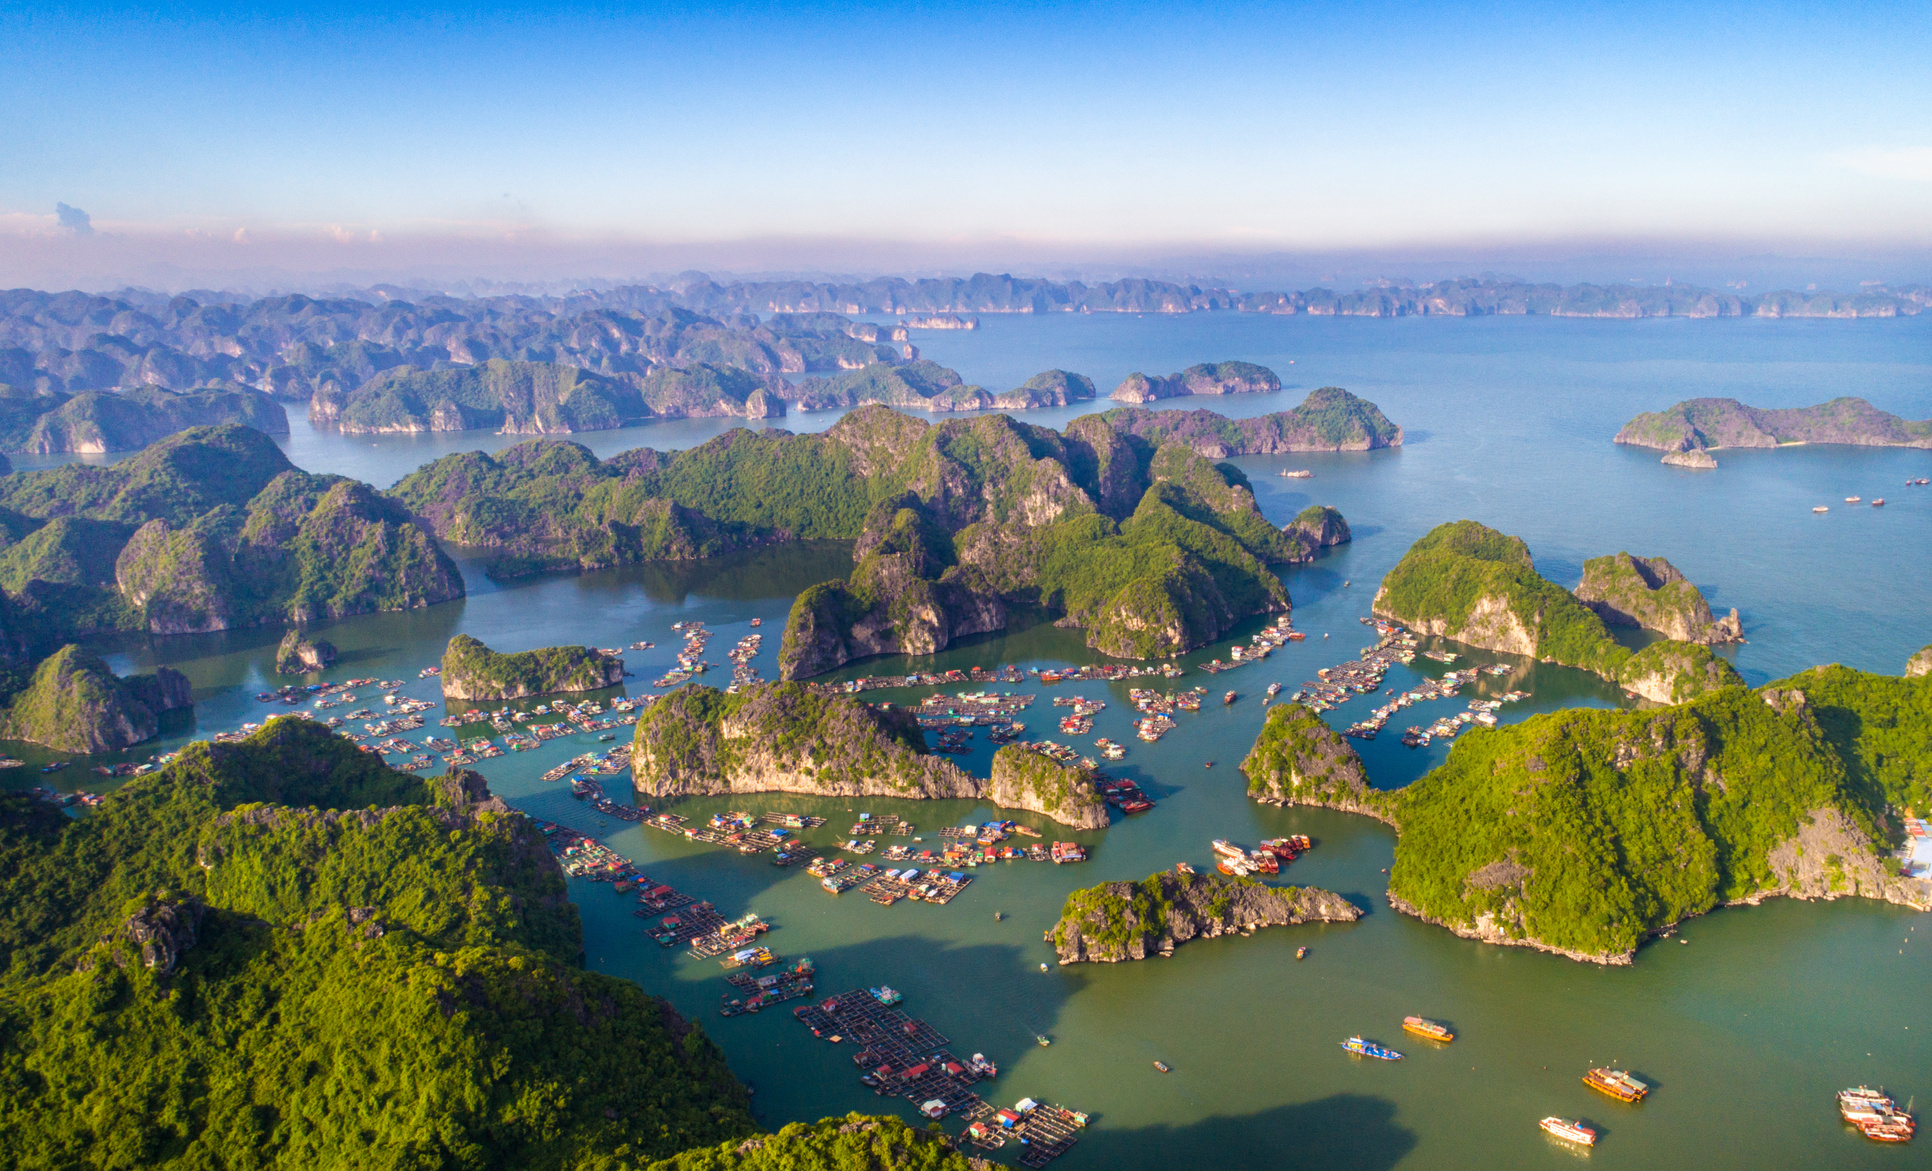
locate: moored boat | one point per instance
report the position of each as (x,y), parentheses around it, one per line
(1228,698)
(1161,1065)
(1362,1047)
(1574,1131)
(1424,1027)
(1617,1083)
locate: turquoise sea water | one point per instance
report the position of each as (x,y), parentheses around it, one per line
(1745,1029)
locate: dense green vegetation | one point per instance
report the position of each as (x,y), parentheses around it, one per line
(74,703)
(1023,778)
(1468,582)
(208,529)
(44,421)
(471,670)
(199,974)
(1587,829)
(1299,760)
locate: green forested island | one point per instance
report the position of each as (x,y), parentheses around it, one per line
(1702,424)
(785,737)
(1585,831)
(1118,921)
(471,670)
(281,953)
(1470,583)
(44,421)
(73,703)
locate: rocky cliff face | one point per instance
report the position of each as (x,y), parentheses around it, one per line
(298,656)
(75,704)
(1674,672)
(1118,921)
(1299,760)
(471,670)
(177,580)
(1023,779)
(782,737)
(1699,460)
(1919,664)
(1318,527)
(1651,593)
(162,931)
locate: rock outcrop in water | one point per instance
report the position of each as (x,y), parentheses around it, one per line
(1118,921)
(471,670)
(1318,527)
(1299,760)
(74,703)
(1329,419)
(1701,423)
(786,738)
(1467,582)
(1919,664)
(1650,592)
(1023,779)
(298,656)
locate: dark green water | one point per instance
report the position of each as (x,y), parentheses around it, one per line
(1745,1030)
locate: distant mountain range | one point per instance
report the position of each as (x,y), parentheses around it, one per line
(371,361)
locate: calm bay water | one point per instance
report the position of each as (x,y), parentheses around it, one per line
(1745,1029)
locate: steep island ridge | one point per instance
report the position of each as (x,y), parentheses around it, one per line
(1467,582)
(1651,592)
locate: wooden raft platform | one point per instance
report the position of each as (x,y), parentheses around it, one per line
(907,1055)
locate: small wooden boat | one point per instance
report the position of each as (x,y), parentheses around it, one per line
(1228,698)
(1301,953)
(1162,1066)
(1041,1039)
(1569,1129)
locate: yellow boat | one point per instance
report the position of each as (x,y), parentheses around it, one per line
(1616,1083)
(1424,1027)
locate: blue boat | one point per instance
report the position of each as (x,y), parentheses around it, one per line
(1364,1048)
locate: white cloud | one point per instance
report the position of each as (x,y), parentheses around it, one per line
(1913,163)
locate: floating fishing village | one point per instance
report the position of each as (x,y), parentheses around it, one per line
(889,861)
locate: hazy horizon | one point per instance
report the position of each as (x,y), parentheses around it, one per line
(279,146)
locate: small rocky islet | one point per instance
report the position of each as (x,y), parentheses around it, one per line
(1118,921)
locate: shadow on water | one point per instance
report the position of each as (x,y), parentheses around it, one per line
(1356,1132)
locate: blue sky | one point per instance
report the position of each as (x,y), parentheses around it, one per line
(1059,127)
